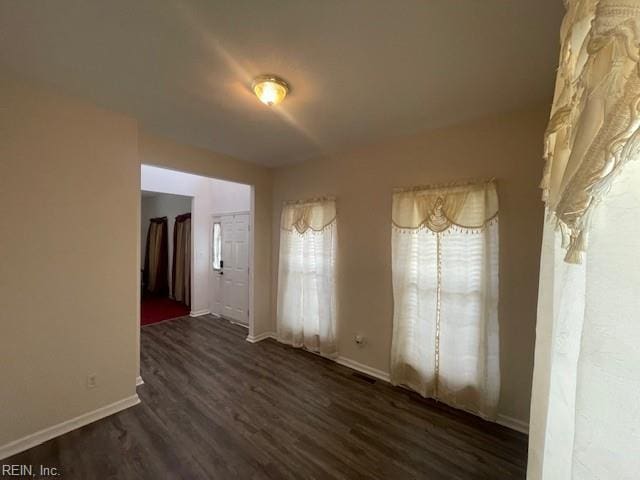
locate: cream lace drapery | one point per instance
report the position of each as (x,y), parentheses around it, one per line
(595,118)
(585,419)
(306,310)
(445,289)
(466,205)
(315,214)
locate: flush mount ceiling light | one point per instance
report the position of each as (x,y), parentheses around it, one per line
(270,89)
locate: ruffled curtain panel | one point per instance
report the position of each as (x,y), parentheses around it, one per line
(595,118)
(306,309)
(585,420)
(181,272)
(156,262)
(445,289)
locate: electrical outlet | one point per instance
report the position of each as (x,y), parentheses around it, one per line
(92,381)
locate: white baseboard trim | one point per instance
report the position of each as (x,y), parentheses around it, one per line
(361,367)
(139,381)
(230,320)
(198,313)
(240,324)
(42,436)
(259,338)
(513,423)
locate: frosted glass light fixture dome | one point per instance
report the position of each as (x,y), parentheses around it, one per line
(270,89)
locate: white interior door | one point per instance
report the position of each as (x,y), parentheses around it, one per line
(231,267)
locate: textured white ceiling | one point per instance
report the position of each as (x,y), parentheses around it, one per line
(360,70)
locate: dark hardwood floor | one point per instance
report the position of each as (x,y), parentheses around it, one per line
(217,407)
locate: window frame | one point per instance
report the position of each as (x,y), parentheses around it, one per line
(213,246)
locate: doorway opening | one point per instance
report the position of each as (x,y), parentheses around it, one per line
(200,228)
(165,270)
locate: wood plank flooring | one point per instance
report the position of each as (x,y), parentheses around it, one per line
(217,407)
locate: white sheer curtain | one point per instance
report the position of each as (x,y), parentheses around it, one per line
(585,413)
(445,290)
(306,310)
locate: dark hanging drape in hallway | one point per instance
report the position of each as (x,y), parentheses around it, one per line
(181,272)
(156,260)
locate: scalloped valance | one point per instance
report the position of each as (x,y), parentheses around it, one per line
(467,206)
(595,118)
(314,214)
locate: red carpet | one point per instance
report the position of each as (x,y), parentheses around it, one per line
(157,309)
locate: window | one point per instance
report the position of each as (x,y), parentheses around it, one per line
(445,291)
(306,311)
(216,246)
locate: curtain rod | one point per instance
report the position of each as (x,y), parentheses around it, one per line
(454,183)
(310,200)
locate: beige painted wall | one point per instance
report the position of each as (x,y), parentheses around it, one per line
(69,239)
(69,203)
(508,147)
